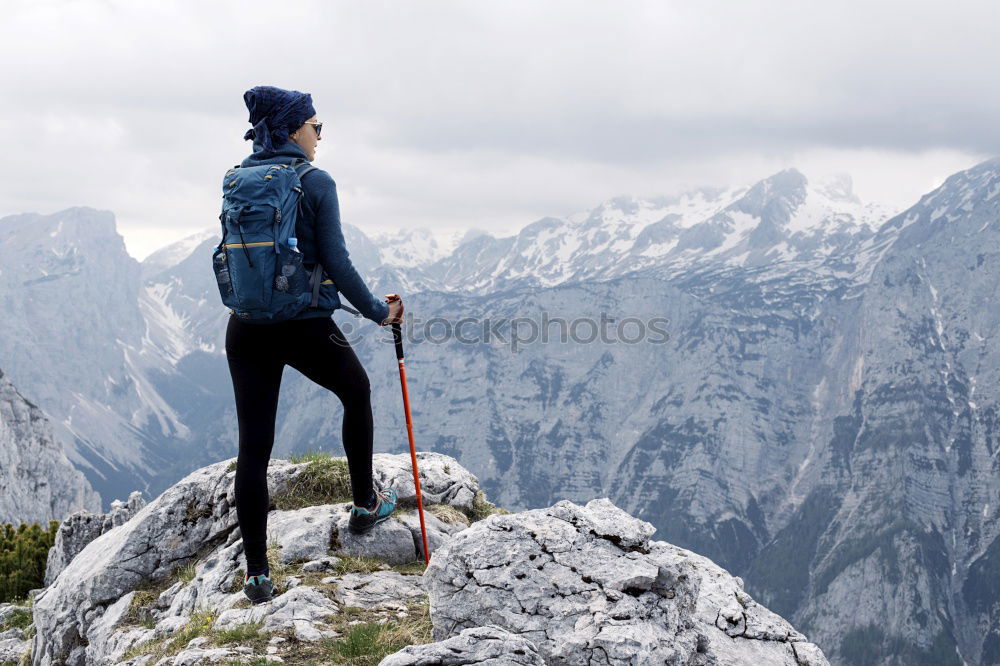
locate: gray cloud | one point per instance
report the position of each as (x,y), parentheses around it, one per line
(486,113)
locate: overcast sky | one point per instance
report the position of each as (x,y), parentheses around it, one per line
(488,114)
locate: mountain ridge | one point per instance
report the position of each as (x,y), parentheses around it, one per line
(752,436)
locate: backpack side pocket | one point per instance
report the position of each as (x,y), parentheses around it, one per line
(221,267)
(290,276)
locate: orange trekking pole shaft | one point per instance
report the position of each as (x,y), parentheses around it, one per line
(397,336)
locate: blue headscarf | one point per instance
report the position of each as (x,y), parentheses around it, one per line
(274,113)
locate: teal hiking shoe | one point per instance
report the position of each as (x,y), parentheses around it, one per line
(363,519)
(258,589)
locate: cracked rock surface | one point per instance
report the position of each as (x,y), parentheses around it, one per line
(386,589)
(479,646)
(442,479)
(567,585)
(97,607)
(585,585)
(81,527)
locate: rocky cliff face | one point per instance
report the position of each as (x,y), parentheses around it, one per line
(903,520)
(565,585)
(37,481)
(821,421)
(72,338)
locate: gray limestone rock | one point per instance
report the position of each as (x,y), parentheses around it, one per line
(438,531)
(476,646)
(39,482)
(304,534)
(82,527)
(387,589)
(80,616)
(196,656)
(587,586)
(189,518)
(563,585)
(442,479)
(745,628)
(12,648)
(390,540)
(321,564)
(301,610)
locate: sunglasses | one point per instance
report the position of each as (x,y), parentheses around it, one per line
(317,126)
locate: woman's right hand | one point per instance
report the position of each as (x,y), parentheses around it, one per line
(395,310)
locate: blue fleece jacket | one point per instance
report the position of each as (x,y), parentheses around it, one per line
(321,238)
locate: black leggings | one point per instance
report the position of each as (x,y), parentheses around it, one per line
(257,354)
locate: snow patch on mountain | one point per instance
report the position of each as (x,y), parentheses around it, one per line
(415,247)
(176,252)
(166,329)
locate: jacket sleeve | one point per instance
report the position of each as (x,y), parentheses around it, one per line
(331,249)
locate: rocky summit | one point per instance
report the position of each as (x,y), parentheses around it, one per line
(161,583)
(586,585)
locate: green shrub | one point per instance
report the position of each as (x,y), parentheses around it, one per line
(24,551)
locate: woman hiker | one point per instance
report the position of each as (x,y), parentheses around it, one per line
(285,127)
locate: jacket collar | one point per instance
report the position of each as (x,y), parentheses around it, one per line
(283,154)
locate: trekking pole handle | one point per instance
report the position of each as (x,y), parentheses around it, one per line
(397,333)
(397,337)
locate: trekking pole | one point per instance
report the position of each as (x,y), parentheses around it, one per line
(397,336)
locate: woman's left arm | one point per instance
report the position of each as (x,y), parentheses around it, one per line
(331,249)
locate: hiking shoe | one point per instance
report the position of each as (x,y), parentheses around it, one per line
(363,519)
(258,589)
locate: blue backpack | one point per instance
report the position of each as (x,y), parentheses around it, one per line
(257,264)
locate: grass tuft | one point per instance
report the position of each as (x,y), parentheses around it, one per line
(369,643)
(199,624)
(325,480)
(186,572)
(248,634)
(358,564)
(414,568)
(448,514)
(143,599)
(18,619)
(310,456)
(367,636)
(483,508)
(255,661)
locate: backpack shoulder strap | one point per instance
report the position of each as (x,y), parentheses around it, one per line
(300,171)
(301,168)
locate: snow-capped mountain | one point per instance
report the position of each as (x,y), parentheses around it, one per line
(821,419)
(415,247)
(144,353)
(169,256)
(780,219)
